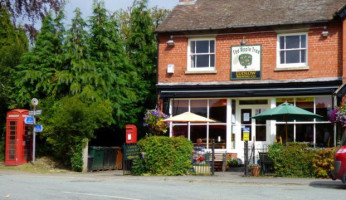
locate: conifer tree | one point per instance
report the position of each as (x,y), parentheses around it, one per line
(79,74)
(36,75)
(109,58)
(141,50)
(13,43)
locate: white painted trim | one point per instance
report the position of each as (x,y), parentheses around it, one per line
(202,69)
(293,65)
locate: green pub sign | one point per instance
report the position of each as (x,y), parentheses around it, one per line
(246,62)
(131,152)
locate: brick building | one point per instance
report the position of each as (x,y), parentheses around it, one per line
(231,59)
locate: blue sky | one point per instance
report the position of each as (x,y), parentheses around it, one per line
(111,5)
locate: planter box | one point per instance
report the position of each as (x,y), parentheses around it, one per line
(202,170)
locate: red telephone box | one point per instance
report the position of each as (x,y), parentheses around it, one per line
(131,134)
(18,138)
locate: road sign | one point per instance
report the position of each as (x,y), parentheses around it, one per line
(246,134)
(34,102)
(37,112)
(38,128)
(29,120)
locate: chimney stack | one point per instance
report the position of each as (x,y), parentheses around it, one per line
(187,2)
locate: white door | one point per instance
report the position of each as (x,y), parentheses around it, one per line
(258,129)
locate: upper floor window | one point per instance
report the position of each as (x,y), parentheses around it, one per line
(201,54)
(292,50)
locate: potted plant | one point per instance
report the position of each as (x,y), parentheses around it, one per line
(255,169)
(233,162)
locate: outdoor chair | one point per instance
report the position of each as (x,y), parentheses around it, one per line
(267,163)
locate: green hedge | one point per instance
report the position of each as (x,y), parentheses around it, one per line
(164,156)
(298,160)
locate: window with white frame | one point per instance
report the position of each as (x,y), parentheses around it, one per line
(292,50)
(201,54)
(215,109)
(317,133)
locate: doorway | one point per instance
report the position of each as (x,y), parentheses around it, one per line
(256,128)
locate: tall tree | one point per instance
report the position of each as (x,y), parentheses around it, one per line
(79,74)
(13,43)
(36,75)
(141,50)
(109,58)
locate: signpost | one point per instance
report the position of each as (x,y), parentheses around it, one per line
(29,120)
(246,138)
(34,102)
(37,112)
(38,128)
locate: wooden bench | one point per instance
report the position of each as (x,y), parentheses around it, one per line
(220,160)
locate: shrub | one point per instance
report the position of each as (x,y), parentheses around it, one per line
(69,123)
(164,156)
(323,162)
(297,160)
(292,160)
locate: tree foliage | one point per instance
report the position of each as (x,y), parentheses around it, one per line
(141,51)
(108,56)
(13,43)
(30,11)
(70,123)
(87,76)
(36,75)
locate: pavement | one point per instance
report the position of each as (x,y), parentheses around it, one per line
(114,185)
(233,178)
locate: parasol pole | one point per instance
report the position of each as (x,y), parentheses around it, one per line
(285,118)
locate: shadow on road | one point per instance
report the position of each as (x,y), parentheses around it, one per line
(328,184)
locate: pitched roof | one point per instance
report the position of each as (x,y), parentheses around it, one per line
(223,14)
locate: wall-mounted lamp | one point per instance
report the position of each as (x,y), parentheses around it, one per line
(243,42)
(170,42)
(325,32)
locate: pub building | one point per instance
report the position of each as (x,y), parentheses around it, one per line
(229,60)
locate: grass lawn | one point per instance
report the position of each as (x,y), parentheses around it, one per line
(42,165)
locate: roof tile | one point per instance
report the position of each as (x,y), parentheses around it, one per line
(222,14)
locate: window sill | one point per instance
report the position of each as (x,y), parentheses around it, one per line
(291,68)
(201,72)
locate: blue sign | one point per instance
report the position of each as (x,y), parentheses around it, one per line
(38,128)
(29,120)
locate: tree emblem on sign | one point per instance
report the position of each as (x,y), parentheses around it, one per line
(245,59)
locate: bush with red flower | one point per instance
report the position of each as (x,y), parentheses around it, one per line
(153,119)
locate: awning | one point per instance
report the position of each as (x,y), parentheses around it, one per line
(249,89)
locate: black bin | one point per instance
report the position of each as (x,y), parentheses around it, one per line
(90,163)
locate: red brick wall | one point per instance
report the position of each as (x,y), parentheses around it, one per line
(324,56)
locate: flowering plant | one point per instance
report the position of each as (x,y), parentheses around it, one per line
(338,115)
(154,120)
(233,162)
(200,159)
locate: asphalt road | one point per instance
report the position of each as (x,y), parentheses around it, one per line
(107,186)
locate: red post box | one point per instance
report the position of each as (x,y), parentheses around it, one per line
(131,134)
(18,138)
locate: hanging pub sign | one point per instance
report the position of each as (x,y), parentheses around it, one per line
(246,62)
